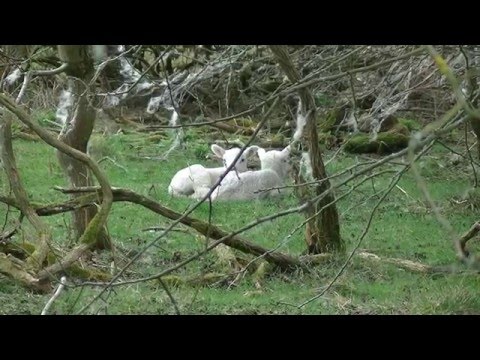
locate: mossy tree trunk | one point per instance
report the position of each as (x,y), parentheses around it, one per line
(77,130)
(323,229)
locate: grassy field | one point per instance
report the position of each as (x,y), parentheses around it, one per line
(403,227)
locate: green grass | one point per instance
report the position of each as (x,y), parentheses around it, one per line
(404,227)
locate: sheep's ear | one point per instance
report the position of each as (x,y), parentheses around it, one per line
(286,150)
(217,150)
(261,152)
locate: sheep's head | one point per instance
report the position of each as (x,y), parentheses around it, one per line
(228,156)
(277,160)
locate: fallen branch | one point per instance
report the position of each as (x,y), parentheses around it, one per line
(23,250)
(274,143)
(318,259)
(159,228)
(402,263)
(204,228)
(15,269)
(234,241)
(216,233)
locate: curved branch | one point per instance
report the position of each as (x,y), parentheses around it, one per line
(204,228)
(462,241)
(15,268)
(94,227)
(63,281)
(44,234)
(29,74)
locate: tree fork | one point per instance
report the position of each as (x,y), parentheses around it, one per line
(95,226)
(77,131)
(322,233)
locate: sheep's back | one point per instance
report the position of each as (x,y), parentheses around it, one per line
(183,181)
(247,185)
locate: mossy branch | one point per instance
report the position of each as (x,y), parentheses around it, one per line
(204,228)
(44,236)
(462,242)
(15,268)
(88,238)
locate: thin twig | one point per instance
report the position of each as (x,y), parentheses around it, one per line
(174,303)
(470,158)
(393,183)
(362,236)
(29,74)
(4,236)
(456,152)
(113,162)
(158,228)
(60,287)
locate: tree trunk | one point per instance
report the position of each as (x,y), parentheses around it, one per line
(77,130)
(322,232)
(109,77)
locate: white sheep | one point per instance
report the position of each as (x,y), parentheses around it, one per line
(196,180)
(250,185)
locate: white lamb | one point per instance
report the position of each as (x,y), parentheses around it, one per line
(250,185)
(196,180)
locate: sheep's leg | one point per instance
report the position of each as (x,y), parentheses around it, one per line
(175,193)
(200,192)
(202,183)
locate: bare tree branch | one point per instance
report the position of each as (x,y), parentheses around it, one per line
(59,289)
(94,227)
(29,74)
(301,84)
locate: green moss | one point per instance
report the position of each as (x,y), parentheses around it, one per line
(21,250)
(386,142)
(322,100)
(88,273)
(327,121)
(173,280)
(278,139)
(327,139)
(206,279)
(92,231)
(410,124)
